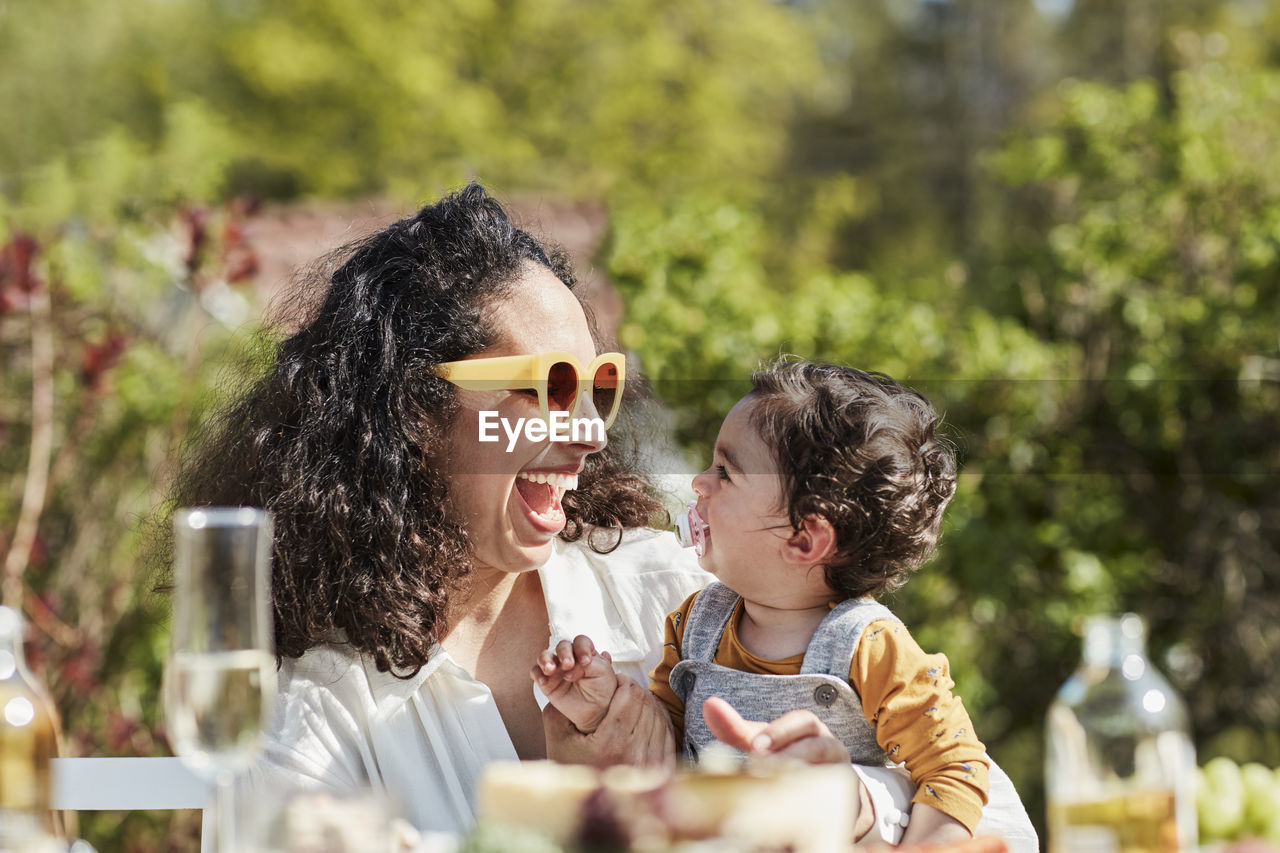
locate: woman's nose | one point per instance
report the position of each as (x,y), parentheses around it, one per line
(586,427)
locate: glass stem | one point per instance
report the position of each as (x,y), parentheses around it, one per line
(225,804)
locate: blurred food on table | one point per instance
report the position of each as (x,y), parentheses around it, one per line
(761,806)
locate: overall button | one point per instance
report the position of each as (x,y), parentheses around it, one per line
(824,695)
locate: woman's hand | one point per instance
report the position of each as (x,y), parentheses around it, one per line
(635,730)
(796,734)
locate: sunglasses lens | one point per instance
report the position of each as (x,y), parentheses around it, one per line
(562,385)
(604,389)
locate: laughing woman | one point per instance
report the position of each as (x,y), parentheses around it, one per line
(415,566)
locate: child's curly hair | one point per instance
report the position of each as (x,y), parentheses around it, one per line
(863,452)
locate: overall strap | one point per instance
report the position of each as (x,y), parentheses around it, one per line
(708,618)
(834,642)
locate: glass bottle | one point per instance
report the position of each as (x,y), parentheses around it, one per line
(28,742)
(1120,765)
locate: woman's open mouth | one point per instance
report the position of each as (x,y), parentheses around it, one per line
(540,492)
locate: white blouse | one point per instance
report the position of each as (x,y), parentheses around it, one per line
(343,726)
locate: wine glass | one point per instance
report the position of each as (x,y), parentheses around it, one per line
(220,679)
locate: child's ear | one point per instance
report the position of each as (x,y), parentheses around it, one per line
(812,544)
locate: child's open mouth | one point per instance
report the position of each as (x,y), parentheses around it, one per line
(541,492)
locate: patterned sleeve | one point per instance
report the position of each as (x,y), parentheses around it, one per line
(906,694)
(660,678)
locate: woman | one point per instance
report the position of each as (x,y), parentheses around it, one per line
(406,612)
(418,569)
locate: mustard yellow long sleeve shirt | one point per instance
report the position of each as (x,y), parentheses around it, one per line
(906,694)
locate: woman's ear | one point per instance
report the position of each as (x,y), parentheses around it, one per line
(812,544)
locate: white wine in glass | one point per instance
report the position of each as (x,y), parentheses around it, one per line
(218,704)
(220,680)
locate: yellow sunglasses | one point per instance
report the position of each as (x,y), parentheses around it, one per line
(558,377)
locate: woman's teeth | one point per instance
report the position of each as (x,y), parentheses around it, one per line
(546,501)
(564,482)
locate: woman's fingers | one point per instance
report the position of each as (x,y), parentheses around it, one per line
(658,743)
(640,727)
(635,730)
(626,710)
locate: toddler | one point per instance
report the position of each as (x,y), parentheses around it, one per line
(826,490)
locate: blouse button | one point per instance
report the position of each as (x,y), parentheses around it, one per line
(824,695)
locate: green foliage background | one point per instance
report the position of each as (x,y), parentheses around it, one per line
(1062,225)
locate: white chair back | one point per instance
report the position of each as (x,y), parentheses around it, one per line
(131,784)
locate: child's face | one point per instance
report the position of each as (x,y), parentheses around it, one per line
(740,499)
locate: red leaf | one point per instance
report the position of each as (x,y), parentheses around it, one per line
(242,265)
(246,205)
(120,732)
(39,552)
(194,232)
(17,279)
(239,260)
(80,672)
(97,358)
(232,235)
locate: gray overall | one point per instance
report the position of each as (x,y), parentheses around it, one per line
(822,686)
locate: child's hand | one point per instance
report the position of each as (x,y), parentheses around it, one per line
(578,680)
(796,734)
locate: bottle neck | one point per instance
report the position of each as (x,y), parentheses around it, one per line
(1110,640)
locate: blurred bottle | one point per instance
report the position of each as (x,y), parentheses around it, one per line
(1120,767)
(28,742)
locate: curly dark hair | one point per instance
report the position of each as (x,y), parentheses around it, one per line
(865,453)
(336,435)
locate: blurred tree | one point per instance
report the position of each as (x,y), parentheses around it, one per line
(1114,386)
(338,99)
(911,92)
(1094,305)
(1156,257)
(110,341)
(114,268)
